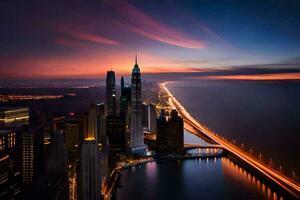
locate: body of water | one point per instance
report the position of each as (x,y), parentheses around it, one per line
(263,116)
(216,178)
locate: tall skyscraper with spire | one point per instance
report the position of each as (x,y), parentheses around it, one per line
(110,93)
(136,141)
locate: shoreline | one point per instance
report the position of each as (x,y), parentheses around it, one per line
(116,173)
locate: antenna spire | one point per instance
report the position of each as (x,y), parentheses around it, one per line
(135,57)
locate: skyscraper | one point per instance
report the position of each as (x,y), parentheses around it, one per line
(169,134)
(54,182)
(122,84)
(32,154)
(136,141)
(72,137)
(102,140)
(116,131)
(101,124)
(125,100)
(10,172)
(92,123)
(90,177)
(149,117)
(110,93)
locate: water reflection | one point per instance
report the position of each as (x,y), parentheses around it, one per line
(151,169)
(232,169)
(202,178)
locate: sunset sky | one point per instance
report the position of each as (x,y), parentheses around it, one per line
(85,38)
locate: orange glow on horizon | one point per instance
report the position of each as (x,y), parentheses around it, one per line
(92,65)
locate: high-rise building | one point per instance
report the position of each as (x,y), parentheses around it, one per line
(54,182)
(136,141)
(101,124)
(89,175)
(72,137)
(32,149)
(122,84)
(149,117)
(102,140)
(10,171)
(92,123)
(110,93)
(125,100)
(116,132)
(169,134)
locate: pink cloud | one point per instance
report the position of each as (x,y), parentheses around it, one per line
(94,38)
(139,22)
(68,42)
(73,35)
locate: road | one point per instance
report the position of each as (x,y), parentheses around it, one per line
(283,181)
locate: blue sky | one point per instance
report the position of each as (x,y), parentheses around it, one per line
(62,38)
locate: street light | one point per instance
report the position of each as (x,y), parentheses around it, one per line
(260,156)
(294,174)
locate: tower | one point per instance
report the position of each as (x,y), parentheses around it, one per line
(122,85)
(169,134)
(90,177)
(136,141)
(110,93)
(92,123)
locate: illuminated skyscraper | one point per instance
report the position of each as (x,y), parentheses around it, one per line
(90,177)
(136,141)
(92,123)
(32,148)
(110,93)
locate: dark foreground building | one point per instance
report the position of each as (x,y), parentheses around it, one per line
(116,131)
(10,171)
(110,93)
(169,134)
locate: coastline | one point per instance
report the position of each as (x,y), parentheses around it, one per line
(118,170)
(175,104)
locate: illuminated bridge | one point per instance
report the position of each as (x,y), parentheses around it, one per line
(200,130)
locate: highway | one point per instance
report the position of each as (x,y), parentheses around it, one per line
(278,178)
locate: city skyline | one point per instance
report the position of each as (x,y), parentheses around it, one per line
(149,99)
(87,38)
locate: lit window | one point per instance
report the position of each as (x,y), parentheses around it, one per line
(2,143)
